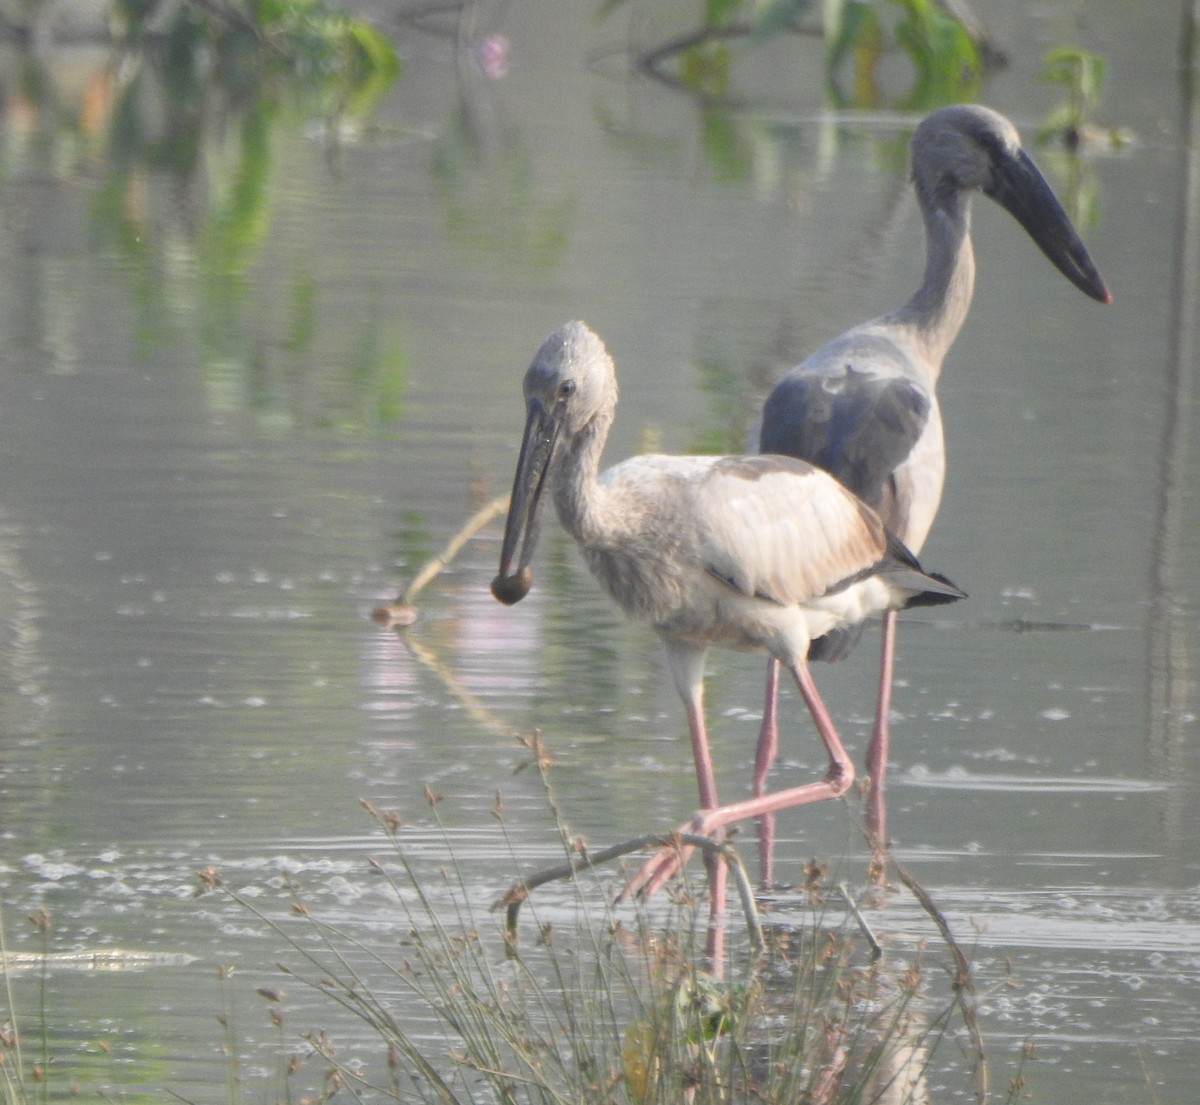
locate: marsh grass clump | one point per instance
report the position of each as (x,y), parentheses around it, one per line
(595,1006)
(23,1069)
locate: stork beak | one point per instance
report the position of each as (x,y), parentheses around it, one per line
(512,584)
(1022,191)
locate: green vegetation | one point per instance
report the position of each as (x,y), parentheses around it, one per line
(308,39)
(1081,75)
(947,62)
(1072,126)
(187,114)
(945,55)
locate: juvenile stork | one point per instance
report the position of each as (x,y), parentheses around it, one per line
(754,552)
(864,406)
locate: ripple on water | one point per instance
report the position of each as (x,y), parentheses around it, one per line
(960,778)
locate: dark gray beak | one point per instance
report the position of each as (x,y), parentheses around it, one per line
(512,583)
(1020,189)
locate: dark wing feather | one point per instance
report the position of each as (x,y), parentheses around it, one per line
(858,426)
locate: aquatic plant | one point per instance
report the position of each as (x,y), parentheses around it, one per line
(598,1007)
(946,58)
(22,1074)
(1081,75)
(311,39)
(947,51)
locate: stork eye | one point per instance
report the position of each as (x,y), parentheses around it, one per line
(566,389)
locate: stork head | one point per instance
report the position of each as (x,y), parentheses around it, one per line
(966,147)
(572,380)
(570,388)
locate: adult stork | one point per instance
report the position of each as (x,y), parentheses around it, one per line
(864,406)
(757,552)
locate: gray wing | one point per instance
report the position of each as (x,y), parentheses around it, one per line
(858,425)
(780,530)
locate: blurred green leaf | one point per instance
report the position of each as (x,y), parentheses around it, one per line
(727,152)
(858,26)
(720,13)
(945,58)
(1082,74)
(706,68)
(379,52)
(773,16)
(935,41)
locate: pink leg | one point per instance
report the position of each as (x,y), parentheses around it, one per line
(877,750)
(666,862)
(706,779)
(768,748)
(706,782)
(768,734)
(714,945)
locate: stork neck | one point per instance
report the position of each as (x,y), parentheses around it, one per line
(938,309)
(578,495)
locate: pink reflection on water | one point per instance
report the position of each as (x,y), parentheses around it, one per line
(478,652)
(491,55)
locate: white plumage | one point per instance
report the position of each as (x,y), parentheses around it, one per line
(747,552)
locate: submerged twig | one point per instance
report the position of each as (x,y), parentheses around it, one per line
(401,611)
(864,928)
(515,896)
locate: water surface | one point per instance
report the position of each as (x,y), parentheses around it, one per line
(220,452)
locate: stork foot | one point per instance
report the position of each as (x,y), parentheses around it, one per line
(669,860)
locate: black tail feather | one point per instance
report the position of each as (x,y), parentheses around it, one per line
(837,644)
(937,598)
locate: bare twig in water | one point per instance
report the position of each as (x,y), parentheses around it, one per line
(515,896)
(864,928)
(401,611)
